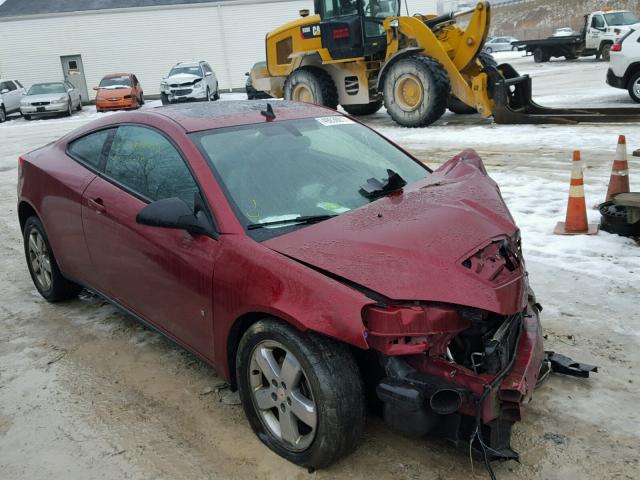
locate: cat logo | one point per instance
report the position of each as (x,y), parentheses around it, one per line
(310,31)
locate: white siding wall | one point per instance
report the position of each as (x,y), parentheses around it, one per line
(146,42)
(149,41)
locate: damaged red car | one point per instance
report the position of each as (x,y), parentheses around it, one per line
(311,261)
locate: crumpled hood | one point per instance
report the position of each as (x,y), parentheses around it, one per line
(181,78)
(105,93)
(449,238)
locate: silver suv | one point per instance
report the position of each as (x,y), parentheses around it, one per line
(189,81)
(11,92)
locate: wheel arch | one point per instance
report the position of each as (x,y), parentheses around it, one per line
(603,44)
(26,210)
(238,329)
(631,71)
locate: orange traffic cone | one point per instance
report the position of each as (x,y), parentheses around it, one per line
(576,222)
(619,182)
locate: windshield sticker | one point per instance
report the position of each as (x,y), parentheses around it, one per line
(333,207)
(336,120)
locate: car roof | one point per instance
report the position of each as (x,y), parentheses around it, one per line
(194,117)
(189,64)
(116,75)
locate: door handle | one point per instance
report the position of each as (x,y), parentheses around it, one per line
(96,204)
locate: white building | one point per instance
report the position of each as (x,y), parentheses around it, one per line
(45,40)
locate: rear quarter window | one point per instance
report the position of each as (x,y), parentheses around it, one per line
(88,149)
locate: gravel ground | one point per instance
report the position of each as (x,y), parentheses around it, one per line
(88,393)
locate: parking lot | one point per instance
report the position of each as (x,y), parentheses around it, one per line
(86,392)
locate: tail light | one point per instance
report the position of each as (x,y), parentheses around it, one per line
(616,47)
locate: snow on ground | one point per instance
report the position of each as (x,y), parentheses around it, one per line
(72,406)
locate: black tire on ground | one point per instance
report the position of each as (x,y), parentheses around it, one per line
(570,57)
(207,96)
(312,85)
(364,109)
(60,288)
(540,56)
(79,105)
(26,117)
(216,96)
(141,98)
(634,87)
(69,111)
(606,52)
(514,49)
(424,86)
(164,99)
(459,107)
(3,114)
(487,60)
(330,378)
(488,50)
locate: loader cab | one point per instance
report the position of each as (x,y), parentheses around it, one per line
(353,28)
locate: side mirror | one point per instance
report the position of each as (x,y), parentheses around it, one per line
(208,74)
(172,213)
(4,90)
(96,88)
(69,90)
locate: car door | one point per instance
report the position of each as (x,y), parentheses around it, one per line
(209,77)
(74,95)
(164,276)
(595,31)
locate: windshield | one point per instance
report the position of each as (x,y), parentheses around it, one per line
(44,88)
(116,82)
(371,8)
(301,168)
(621,18)
(194,70)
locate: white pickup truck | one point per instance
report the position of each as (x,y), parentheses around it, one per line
(601,30)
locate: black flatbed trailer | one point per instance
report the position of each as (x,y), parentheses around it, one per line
(570,47)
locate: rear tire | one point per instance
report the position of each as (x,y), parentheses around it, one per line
(216,96)
(42,264)
(311,85)
(416,89)
(605,52)
(3,115)
(540,56)
(26,117)
(634,87)
(329,384)
(363,109)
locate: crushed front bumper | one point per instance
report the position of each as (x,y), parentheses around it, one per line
(185,94)
(120,104)
(430,395)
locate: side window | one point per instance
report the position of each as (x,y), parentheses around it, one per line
(88,149)
(597,22)
(206,67)
(144,161)
(11,86)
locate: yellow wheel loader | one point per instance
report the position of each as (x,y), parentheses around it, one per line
(361,54)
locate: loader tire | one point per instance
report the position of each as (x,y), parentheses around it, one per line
(364,109)
(459,107)
(487,60)
(416,90)
(311,85)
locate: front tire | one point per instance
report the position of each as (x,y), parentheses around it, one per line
(3,115)
(42,264)
(364,109)
(216,96)
(302,393)
(416,90)
(69,111)
(164,98)
(311,85)
(634,87)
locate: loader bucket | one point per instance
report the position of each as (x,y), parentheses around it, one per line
(511,94)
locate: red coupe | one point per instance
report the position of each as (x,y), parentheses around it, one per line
(308,259)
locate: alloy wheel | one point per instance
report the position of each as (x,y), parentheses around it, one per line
(40,260)
(282,396)
(636,87)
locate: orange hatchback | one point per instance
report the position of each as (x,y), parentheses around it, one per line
(119,91)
